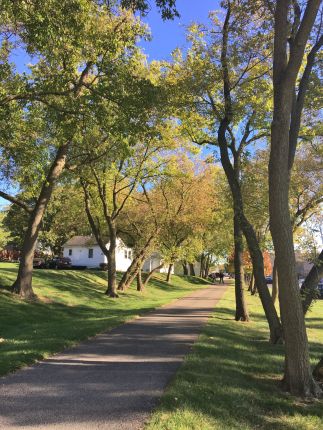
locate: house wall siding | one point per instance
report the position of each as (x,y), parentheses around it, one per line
(154,261)
(80,256)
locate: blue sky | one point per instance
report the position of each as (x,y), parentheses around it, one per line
(167,35)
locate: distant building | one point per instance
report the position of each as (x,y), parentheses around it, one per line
(153,261)
(85,251)
(303,266)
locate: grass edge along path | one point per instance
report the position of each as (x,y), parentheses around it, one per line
(72,307)
(230,381)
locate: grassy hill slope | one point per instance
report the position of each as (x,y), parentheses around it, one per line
(72,307)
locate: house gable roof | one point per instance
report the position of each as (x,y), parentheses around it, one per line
(89,241)
(81,241)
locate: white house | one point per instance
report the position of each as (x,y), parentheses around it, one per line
(153,261)
(85,251)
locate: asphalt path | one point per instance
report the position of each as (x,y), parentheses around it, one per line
(112,381)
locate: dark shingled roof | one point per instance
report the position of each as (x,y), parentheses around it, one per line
(81,241)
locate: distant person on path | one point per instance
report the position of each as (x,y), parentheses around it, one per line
(221,276)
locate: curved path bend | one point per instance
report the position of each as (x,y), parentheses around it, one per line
(112,381)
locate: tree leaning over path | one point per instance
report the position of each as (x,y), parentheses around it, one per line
(292,33)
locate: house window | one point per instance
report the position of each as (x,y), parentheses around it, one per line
(129,254)
(70,252)
(125,253)
(90,253)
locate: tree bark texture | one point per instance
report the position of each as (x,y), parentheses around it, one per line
(241,313)
(112,268)
(130,274)
(185,268)
(169,272)
(202,265)
(251,238)
(192,270)
(252,282)
(231,172)
(23,283)
(140,285)
(298,378)
(275,285)
(207,267)
(254,290)
(150,274)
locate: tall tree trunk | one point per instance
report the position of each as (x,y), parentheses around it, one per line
(275,285)
(289,52)
(298,378)
(207,267)
(251,238)
(125,277)
(192,270)
(241,306)
(260,280)
(140,285)
(23,283)
(232,173)
(185,268)
(169,272)
(112,268)
(309,287)
(254,290)
(258,265)
(150,274)
(202,265)
(130,274)
(252,282)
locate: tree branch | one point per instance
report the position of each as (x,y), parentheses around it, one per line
(16,201)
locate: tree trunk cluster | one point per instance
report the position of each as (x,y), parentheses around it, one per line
(136,265)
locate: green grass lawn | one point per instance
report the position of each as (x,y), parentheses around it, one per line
(231,379)
(71,308)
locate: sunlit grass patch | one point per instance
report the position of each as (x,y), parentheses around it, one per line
(231,379)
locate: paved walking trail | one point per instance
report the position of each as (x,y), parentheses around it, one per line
(112,381)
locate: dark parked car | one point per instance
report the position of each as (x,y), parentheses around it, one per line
(269,280)
(39,263)
(59,263)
